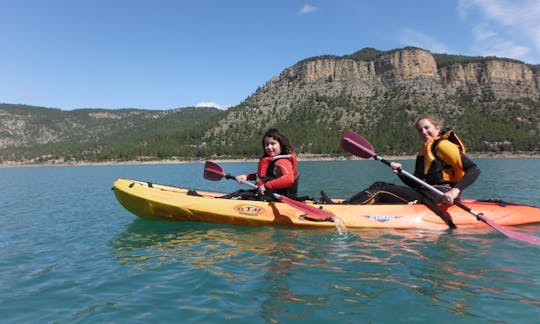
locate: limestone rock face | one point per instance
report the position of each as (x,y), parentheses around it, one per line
(411,69)
(407,77)
(494,79)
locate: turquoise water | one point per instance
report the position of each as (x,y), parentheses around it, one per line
(71,254)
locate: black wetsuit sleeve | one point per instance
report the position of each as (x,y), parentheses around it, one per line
(471,173)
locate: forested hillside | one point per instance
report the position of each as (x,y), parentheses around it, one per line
(493,103)
(36,134)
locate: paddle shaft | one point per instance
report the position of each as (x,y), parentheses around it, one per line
(312,213)
(249,184)
(430,187)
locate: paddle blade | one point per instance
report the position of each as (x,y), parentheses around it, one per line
(520,236)
(213,172)
(311,211)
(356,145)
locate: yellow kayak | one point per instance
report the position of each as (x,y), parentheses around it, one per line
(162,202)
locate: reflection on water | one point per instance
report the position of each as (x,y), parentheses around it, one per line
(352,268)
(73,254)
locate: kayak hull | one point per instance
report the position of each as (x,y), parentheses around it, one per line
(161,202)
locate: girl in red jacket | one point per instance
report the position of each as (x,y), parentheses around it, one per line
(278,168)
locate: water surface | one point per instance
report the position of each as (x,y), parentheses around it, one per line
(70,253)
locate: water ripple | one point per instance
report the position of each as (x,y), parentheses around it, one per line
(70,253)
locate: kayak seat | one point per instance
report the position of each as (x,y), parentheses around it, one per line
(325,199)
(192,192)
(305,198)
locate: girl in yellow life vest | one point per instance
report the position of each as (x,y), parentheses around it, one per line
(441,162)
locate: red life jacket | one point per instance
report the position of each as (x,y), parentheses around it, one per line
(267,171)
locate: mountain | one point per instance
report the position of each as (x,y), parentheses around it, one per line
(36,134)
(493,103)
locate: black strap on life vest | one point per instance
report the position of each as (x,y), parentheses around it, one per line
(291,191)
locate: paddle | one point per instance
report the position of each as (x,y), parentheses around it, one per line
(357,145)
(214,172)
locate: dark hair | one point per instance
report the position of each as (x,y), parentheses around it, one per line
(275,133)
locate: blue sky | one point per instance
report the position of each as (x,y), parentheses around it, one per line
(164,54)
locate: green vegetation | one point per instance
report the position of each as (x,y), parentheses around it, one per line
(315,127)
(103,135)
(314,123)
(447,59)
(366,54)
(370,54)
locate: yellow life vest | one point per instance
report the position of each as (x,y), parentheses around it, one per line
(441,159)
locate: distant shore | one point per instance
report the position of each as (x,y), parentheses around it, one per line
(301,157)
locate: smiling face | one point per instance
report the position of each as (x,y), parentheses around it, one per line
(271,146)
(427,130)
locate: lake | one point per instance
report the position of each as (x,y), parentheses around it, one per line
(71,254)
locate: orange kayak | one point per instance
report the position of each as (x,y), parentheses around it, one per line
(161,202)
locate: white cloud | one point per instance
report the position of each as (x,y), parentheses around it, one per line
(490,42)
(306,9)
(502,48)
(504,28)
(211,104)
(483,32)
(409,37)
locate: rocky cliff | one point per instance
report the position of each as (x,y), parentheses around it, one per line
(491,80)
(413,70)
(407,77)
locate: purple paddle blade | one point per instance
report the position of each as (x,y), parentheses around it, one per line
(312,211)
(356,145)
(213,172)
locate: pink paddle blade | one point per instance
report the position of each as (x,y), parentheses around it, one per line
(311,211)
(356,145)
(520,236)
(213,172)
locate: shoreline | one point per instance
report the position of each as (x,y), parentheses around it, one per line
(301,157)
